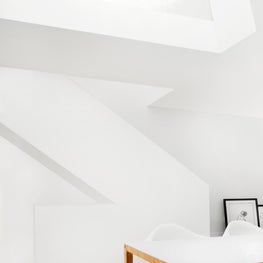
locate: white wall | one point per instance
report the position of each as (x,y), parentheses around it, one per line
(146,185)
(26,183)
(226,151)
(1,224)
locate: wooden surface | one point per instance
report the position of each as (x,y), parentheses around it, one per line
(129,252)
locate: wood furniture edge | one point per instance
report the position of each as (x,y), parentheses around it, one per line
(129,252)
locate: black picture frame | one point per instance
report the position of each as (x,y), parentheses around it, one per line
(261,225)
(238,200)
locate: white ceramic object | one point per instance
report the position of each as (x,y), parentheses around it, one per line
(237,228)
(171,232)
(241,243)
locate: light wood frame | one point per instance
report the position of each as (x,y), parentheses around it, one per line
(129,252)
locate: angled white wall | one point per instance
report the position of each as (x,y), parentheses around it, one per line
(146,185)
(225,150)
(24,184)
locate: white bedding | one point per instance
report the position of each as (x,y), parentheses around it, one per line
(238,248)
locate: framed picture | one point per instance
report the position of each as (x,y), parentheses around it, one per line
(260,213)
(245,209)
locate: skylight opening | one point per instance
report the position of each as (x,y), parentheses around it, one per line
(194,8)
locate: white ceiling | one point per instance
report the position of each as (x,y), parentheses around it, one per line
(180,23)
(227,83)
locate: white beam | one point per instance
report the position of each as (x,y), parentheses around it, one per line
(232,21)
